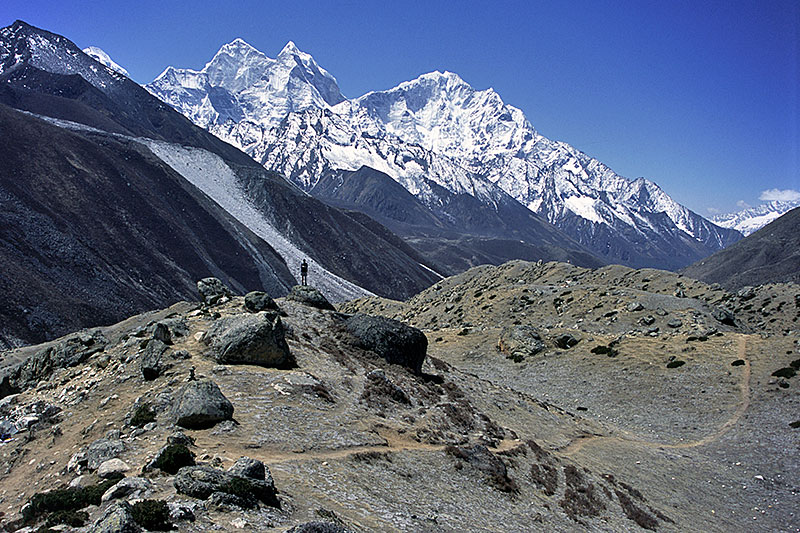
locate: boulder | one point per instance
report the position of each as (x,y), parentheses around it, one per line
(116,519)
(309,296)
(177,327)
(200,405)
(130,486)
(257,301)
(162,333)
(248,339)
(150,363)
(204,481)
(517,342)
(212,290)
(97,453)
(675,323)
(394,341)
(746,293)
(724,316)
(199,481)
(565,341)
(112,467)
(635,306)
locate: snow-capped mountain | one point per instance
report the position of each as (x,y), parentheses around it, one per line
(289,114)
(748,221)
(100,56)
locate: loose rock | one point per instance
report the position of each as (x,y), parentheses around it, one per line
(212,290)
(309,296)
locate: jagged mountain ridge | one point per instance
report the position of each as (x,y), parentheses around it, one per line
(275,224)
(748,221)
(438,129)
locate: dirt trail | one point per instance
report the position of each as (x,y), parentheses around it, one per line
(395,442)
(744,403)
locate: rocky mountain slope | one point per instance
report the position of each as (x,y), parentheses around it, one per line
(117,136)
(769,255)
(551,398)
(748,221)
(433,135)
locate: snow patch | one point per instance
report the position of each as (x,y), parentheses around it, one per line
(209,173)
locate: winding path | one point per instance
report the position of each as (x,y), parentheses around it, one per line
(744,403)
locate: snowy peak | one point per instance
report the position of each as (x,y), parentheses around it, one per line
(752,219)
(100,56)
(22,44)
(239,78)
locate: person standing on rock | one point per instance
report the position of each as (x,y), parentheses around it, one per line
(304,273)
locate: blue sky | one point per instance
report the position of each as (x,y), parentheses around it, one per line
(700,97)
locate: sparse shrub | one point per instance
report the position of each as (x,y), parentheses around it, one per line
(71,499)
(676,363)
(738,362)
(785,372)
(580,496)
(153,515)
(174,457)
(144,414)
(70,518)
(322,392)
(371,457)
(546,477)
(636,513)
(795,425)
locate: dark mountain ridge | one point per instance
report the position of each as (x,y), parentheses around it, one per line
(770,255)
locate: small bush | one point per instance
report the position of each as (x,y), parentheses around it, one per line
(71,499)
(144,414)
(636,513)
(546,477)
(70,518)
(153,515)
(738,362)
(676,363)
(174,457)
(785,372)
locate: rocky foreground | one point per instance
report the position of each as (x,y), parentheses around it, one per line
(532,398)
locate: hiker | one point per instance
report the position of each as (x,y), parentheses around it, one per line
(304,273)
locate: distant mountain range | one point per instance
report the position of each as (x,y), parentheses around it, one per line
(438,138)
(752,219)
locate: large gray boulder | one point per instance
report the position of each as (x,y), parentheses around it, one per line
(200,405)
(250,339)
(203,481)
(394,341)
(212,290)
(116,519)
(150,362)
(724,316)
(97,453)
(518,342)
(309,296)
